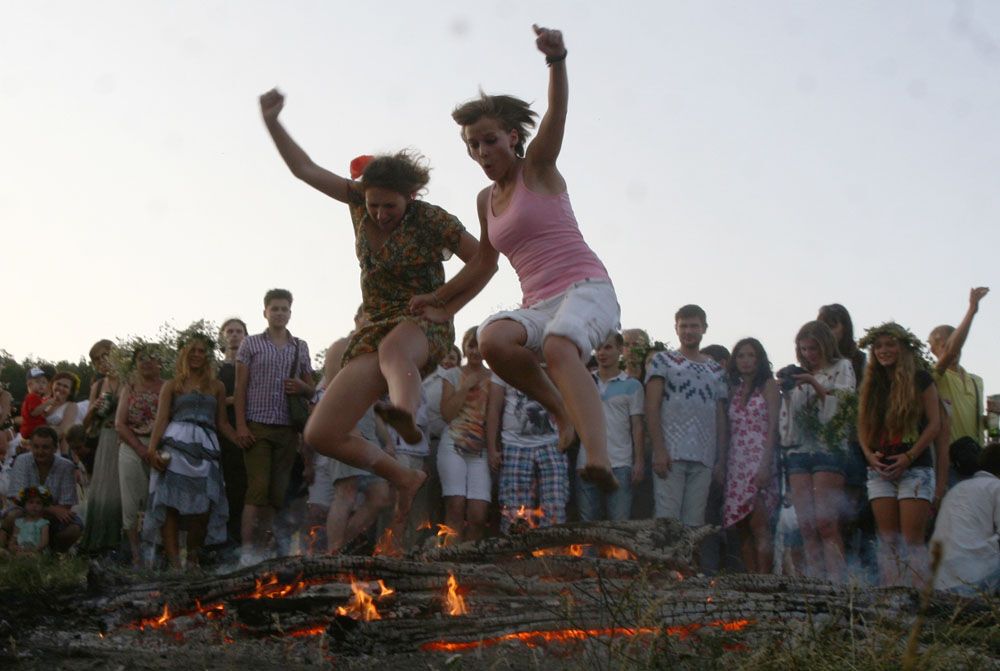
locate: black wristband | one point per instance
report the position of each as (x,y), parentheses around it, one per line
(557,59)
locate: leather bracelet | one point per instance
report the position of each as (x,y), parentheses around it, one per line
(909,458)
(557,59)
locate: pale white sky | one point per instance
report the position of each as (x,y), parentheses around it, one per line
(760,159)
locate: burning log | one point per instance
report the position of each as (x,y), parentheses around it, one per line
(661,543)
(531,589)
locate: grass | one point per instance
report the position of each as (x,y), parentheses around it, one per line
(40,576)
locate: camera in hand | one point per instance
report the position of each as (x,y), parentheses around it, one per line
(786,377)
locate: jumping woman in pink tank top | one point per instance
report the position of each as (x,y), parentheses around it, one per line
(569,306)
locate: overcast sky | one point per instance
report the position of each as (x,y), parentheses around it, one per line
(759,159)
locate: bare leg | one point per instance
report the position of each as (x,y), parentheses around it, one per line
(502,345)
(763,543)
(801,485)
(476,513)
(344,492)
(454,513)
(583,403)
(401,355)
(913,516)
(169,534)
(329,431)
(828,493)
(378,497)
(197,528)
(886,512)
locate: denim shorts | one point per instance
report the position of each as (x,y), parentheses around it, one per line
(915,483)
(809,462)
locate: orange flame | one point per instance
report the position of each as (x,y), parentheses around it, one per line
(426,524)
(531,516)
(384,590)
(361,607)
(536,638)
(446,535)
(453,600)
(386,545)
(571,551)
(157,622)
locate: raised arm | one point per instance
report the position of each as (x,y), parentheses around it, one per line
(544,149)
(297,160)
(953,346)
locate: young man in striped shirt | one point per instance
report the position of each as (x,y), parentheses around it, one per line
(263,426)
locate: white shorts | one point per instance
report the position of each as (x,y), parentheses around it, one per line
(586,313)
(462,474)
(321,489)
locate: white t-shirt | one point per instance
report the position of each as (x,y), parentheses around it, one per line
(525,423)
(622,397)
(691,392)
(968,528)
(432,396)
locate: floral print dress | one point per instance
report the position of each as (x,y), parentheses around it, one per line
(747,442)
(410,262)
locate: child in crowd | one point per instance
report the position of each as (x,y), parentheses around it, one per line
(622,398)
(31,530)
(36,404)
(534,478)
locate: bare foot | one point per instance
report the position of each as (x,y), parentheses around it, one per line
(600,476)
(401,420)
(406,492)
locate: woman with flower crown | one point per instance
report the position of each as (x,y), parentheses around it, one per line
(898,419)
(401,243)
(186,487)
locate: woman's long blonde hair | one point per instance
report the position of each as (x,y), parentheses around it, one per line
(889,407)
(184,378)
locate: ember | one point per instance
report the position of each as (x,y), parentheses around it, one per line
(454,601)
(269,587)
(621,554)
(533,639)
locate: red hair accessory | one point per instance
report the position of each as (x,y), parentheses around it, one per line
(359,164)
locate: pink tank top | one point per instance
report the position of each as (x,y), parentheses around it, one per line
(538,233)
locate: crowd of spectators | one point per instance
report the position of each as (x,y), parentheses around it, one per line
(849,465)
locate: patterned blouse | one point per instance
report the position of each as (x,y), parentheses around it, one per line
(142,411)
(410,262)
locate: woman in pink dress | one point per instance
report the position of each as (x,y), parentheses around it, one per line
(751,475)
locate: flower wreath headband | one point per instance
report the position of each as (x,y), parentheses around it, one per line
(39,491)
(903,336)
